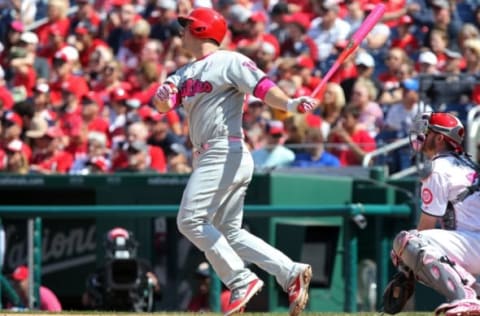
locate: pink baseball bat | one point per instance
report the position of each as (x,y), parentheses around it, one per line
(355,41)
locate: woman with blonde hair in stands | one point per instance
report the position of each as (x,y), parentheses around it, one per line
(57,21)
(471,52)
(17,161)
(331,105)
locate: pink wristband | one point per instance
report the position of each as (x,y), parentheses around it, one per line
(263,86)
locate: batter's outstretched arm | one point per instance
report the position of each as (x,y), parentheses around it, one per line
(276,98)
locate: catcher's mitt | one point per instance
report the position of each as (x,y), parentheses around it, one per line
(397,292)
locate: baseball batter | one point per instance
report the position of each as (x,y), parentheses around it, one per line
(212,90)
(444,251)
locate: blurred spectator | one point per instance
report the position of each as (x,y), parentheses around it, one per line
(178,160)
(393,61)
(138,132)
(17,161)
(363,98)
(163,21)
(315,154)
(12,126)
(453,62)
(273,154)
(297,42)
(129,52)
(404,36)
(12,39)
(162,136)
(6,99)
(85,14)
(330,107)
(29,41)
(350,138)
(377,39)
(394,95)
(57,21)
(427,63)
(328,28)
(64,64)
(137,158)
(472,56)
(48,155)
(365,64)
(444,16)
(256,36)
(254,119)
(41,102)
(96,158)
(304,69)
(86,42)
(438,45)
(48,299)
(23,73)
(122,19)
(99,59)
(468,31)
(90,112)
(200,302)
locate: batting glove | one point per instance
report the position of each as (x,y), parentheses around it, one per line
(165,92)
(301,104)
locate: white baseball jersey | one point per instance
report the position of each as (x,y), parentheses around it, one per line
(212,91)
(448,179)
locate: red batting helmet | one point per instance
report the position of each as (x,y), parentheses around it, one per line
(205,23)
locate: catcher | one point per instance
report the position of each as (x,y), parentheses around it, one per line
(444,251)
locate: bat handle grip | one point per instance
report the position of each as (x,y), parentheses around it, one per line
(301,108)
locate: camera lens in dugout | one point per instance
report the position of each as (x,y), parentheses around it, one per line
(120,244)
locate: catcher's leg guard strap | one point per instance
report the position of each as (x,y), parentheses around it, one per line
(433,268)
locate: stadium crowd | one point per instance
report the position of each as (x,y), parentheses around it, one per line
(75,91)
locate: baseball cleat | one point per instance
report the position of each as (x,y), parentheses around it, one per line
(241,295)
(298,291)
(462,307)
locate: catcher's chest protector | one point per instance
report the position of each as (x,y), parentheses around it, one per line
(433,268)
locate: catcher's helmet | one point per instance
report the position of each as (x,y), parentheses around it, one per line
(449,126)
(205,23)
(443,123)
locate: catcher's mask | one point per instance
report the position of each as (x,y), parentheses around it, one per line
(443,123)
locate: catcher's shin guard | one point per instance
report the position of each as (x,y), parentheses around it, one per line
(431,267)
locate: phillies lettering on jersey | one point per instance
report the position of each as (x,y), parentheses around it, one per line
(192,86)
(213,91)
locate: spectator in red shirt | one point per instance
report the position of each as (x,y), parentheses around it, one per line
(6,99)
(110,80)
(56,20)
(63,66)
(395,58)
(55,42)
(404,37)
(91,114)
(85,13)
(139,132)
(145,81)
(86,43)
(12,126)
(297,41)
(352,140)
(48,155)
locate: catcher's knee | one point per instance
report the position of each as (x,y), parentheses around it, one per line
(432,267)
